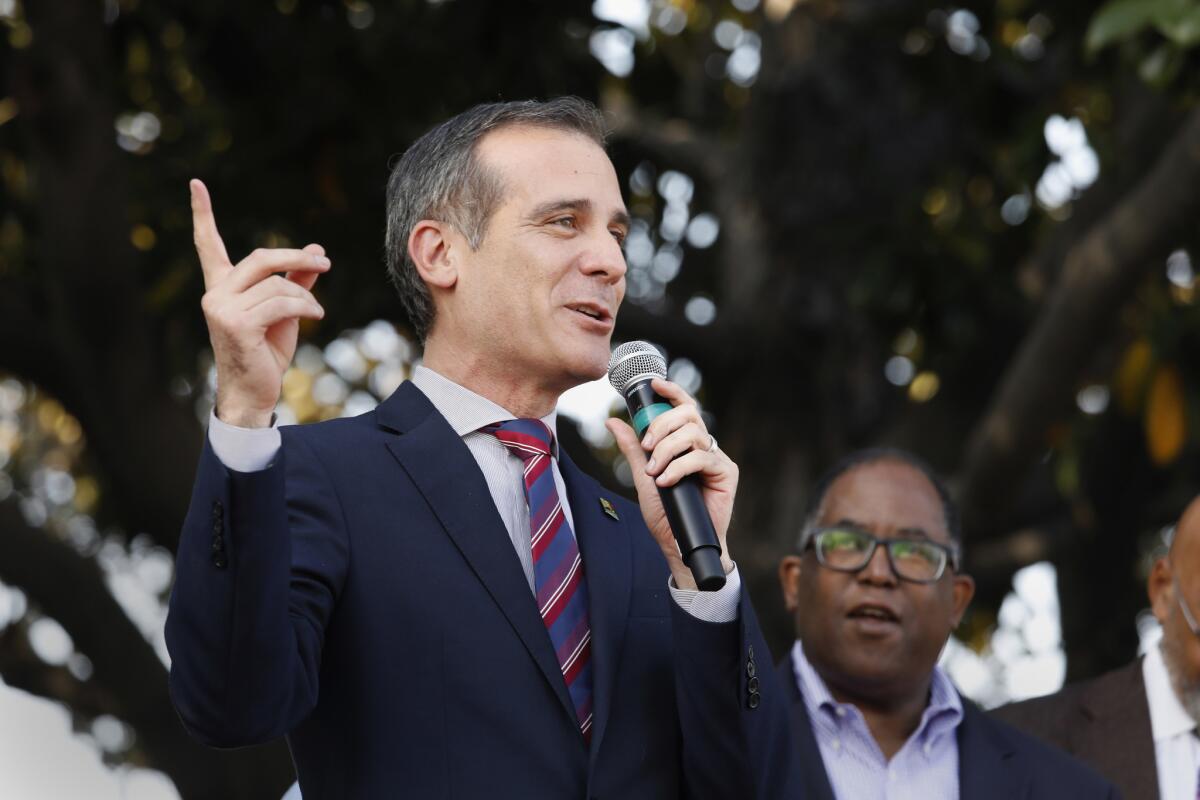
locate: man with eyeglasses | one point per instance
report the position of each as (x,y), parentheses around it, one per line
(1137,725)
(876,588)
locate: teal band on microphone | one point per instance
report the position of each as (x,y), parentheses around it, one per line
(643,418)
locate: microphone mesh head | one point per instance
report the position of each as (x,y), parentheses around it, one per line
(633,361)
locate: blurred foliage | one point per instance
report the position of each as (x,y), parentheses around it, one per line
(1176,21)
(1120,20)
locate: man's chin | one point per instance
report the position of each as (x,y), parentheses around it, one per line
(591,363)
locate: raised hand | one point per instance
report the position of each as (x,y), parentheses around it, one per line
(678,443)
(253,312)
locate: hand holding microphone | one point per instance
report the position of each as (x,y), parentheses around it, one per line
(687,485)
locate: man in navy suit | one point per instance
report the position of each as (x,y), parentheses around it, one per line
(876,588)
(431,599)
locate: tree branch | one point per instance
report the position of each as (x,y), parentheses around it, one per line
(674,141)
(129,681)
(92,343)
(702,344)
(37,358)
(22,669)
(1098,276)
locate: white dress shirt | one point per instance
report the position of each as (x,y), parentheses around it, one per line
(1176,748)
(252,449)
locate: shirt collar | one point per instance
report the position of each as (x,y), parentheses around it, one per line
(466,411)
(1168,718)
(944,702)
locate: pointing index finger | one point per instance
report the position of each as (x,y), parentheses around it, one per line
(214,261)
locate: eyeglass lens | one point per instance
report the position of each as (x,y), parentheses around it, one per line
(849,550)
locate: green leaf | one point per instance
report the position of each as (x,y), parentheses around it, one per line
(1119,20)
(1184,28)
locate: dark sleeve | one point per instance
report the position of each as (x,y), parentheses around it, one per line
(733,715)
(262,558)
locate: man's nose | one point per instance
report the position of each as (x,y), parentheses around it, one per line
(605,257)
(878,569)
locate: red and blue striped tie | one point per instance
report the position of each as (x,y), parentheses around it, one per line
(557,569)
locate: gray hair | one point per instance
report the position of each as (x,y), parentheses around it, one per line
(441,178)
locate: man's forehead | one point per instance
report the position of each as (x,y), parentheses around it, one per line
(887,495)
(517,148)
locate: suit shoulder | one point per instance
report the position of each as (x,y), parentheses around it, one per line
(330,432)
(1050,716)
(1038,713)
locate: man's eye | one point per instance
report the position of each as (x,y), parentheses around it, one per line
(566,222)
(619,235)
(844,540)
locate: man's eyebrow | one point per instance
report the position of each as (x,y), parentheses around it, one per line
(913,533)
(901,533)
(555,206)
(580,206)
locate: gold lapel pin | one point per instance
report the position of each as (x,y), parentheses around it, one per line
(608,509)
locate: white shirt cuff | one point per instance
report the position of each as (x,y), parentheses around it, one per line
(243,449)
(718,606)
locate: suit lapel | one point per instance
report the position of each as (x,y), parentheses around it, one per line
(986,767)
(445,472)
(813,775)
(605,548)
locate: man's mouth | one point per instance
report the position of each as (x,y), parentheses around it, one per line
(591,310)
(873,612)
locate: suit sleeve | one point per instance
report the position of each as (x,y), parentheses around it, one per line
(262,558)
(736,735)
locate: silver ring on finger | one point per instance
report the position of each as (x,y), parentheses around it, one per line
(712,444)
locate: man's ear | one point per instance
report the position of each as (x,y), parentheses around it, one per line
(1160,591)
(434,251)
(789,581)
(964,590)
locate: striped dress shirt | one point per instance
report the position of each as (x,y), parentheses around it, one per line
(925,768)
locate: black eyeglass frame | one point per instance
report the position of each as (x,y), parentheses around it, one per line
(952,555)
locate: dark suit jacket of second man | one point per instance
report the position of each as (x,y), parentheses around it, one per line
(1104,721)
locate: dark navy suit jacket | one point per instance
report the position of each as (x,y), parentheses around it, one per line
(995,760)
(361,596)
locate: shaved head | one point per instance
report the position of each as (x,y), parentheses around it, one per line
(1186,538)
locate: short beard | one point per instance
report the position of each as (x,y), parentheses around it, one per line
(1189,695)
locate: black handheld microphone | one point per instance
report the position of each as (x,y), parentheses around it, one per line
(632,367)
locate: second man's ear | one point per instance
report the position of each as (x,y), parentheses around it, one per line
(1160,591)
(434,247)
(789,581)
